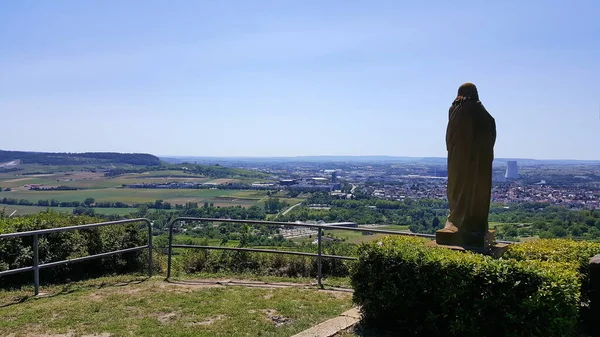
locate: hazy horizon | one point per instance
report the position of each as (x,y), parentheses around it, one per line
(296,78)
(167,156)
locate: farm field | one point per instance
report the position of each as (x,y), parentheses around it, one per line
(94,184)
(21,210)
(90,180)
(110,189)
(131,196)
(359,237)
(353,237)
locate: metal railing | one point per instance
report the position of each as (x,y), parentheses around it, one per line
(319,255)
(36,260)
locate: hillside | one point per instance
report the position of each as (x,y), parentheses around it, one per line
(45,158)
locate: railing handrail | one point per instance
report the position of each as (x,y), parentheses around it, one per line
(37,266)
(70,228)
(335,225)
(319,227)
(262,222)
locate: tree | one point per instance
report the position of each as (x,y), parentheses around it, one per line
(593,233)
(84,211)
(590,222)
(559,231)
(89,201)
(578,230)
(436,223)
(547,235)
(540,226)
(511,230)
(142,210)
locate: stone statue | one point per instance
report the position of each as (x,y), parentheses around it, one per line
(470,140)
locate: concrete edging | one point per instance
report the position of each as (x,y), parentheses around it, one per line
(332,326)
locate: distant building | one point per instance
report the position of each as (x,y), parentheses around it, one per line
(287,182)
(334,177)
(512,170)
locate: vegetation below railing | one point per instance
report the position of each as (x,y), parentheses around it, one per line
(209,261)
(18,252)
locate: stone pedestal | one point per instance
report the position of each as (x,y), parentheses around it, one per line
(472,240)
(594,292)
(482,242)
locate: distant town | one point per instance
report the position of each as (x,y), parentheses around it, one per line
(572,184)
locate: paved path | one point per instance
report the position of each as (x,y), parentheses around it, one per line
(291,208)
(332,326)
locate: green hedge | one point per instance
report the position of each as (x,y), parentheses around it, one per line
(408,288)
(558,250)
(18,252)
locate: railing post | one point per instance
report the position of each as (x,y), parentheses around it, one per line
(36,263)
(319,258)
(150,249)
(170,249)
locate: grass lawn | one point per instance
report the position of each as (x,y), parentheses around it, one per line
(105,307)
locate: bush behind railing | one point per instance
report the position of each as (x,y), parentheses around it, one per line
(18,252)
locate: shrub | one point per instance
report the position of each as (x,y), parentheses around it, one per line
(578,253)
(411,289)
(18,252)
(195,261)
(213,261)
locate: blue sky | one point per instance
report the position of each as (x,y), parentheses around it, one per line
(287,78)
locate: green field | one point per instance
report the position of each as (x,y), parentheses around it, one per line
(353,237)
(21,210)
(138,195)
(359,237)
(132,196)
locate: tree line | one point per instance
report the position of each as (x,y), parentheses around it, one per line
(427,215)
(43,158)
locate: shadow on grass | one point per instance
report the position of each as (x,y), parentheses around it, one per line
(364,331)
(253,284)
(57,290)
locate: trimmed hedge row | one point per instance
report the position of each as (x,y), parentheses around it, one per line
(559,250)
(18,252)
(408,288)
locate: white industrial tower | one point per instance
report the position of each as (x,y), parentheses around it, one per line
(512,170)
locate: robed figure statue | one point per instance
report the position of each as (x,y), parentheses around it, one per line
(470,140)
